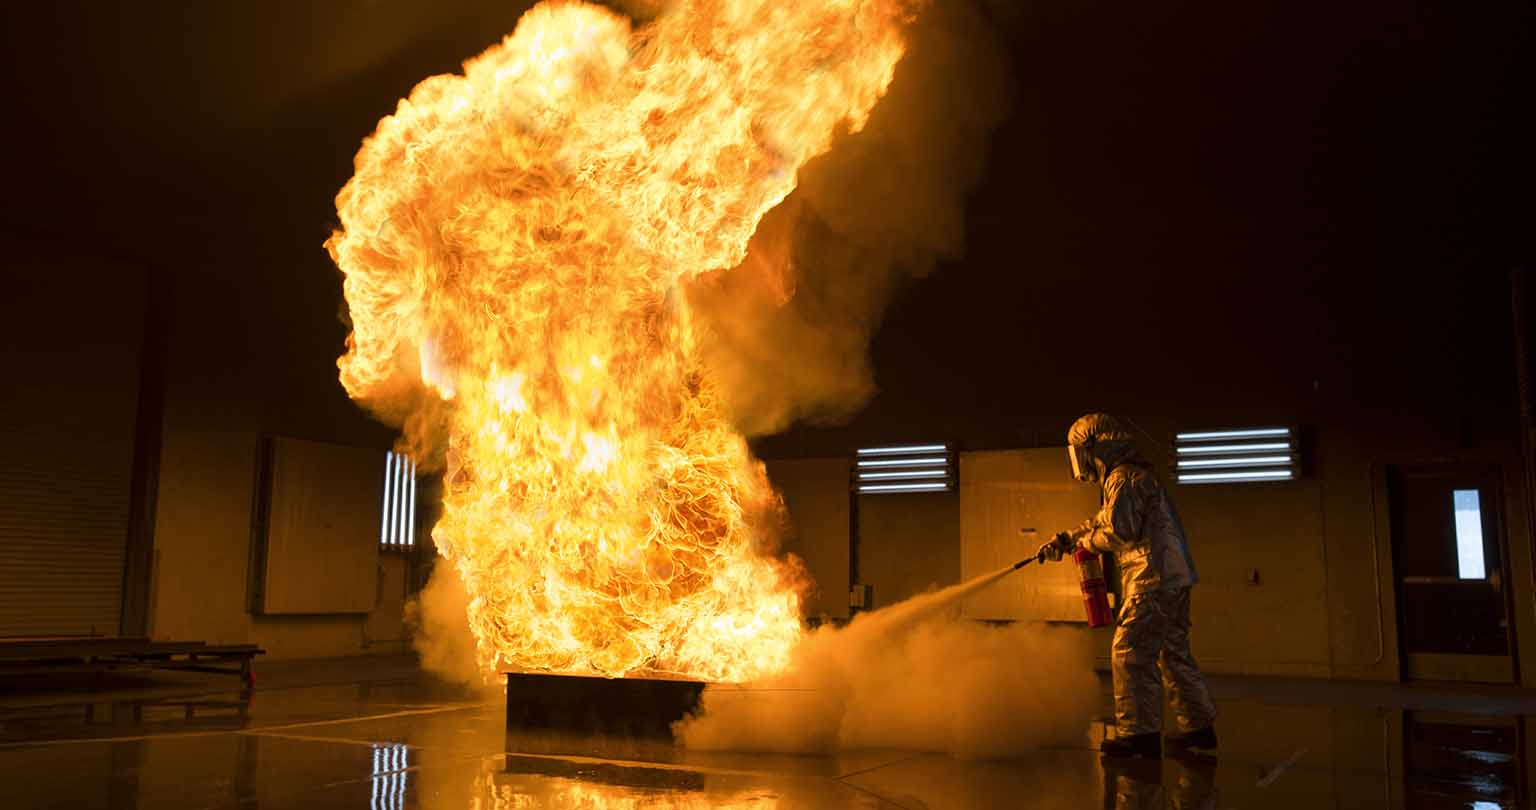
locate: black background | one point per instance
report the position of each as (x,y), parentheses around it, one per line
(1208,211)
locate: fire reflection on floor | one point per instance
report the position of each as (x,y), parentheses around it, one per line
(538,782)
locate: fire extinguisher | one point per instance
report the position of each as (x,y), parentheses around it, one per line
(1090,572)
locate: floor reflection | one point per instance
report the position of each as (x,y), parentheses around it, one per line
(525,783)
(403,747)
(1186,783)
(391,776)
(1464,761)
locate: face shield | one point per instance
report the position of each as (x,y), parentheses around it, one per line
(1082,463)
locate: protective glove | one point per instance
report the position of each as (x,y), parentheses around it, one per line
(1056,549)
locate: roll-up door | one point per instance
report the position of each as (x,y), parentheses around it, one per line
(71,332)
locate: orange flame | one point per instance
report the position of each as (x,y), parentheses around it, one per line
(494,791)
(514,240)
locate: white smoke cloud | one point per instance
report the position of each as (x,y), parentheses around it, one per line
(914,676)
(439,622)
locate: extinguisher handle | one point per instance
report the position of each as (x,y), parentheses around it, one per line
(1060,546)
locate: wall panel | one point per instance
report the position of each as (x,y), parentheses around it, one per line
(908,543)
(1002,492)
(815,493)
(323,519)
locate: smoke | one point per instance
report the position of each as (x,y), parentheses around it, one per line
(913,676)
(439,621)
(792,323)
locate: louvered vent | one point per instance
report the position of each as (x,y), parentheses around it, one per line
(904,468)
(397,529)
(1236,456)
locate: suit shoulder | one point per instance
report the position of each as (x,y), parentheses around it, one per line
(1135,476)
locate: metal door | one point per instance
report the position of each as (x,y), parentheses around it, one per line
(71,330)
(1450,562)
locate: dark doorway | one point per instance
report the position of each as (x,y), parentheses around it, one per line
(1448,550)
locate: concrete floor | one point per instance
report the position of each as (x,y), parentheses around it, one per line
(372,733)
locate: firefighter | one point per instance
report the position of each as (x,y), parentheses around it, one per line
(1138,524)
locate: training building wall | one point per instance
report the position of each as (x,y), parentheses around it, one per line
(141,393)
(72,332)
(907,544)
(1296,578)
(235,375)
(203,560)
(816,511)
(1012,501)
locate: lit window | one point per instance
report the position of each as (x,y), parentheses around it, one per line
(1238,455)
(904,468)
(398,527)
(391,770)
(1469,534)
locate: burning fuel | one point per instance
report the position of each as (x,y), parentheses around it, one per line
(513,243)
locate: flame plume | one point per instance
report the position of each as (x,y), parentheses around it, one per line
(513,243)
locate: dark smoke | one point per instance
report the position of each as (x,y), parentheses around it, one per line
(792,325)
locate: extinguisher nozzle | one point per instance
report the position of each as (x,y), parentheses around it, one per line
(1022,563)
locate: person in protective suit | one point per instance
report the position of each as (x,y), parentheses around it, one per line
(1138,524)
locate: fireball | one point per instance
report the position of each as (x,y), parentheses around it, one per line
(515,243)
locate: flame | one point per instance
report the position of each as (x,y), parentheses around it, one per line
(513,791)
(514,243)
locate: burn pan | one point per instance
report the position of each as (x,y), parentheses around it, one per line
(613,708)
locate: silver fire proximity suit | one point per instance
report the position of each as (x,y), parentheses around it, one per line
(1138,524)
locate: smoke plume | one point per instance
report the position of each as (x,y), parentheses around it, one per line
(439,622)
(913,676)
(792,323)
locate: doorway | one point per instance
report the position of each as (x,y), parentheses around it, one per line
(1449,558)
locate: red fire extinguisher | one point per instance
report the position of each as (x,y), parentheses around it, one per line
(1090,572)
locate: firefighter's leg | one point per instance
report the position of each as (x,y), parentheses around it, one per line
(1138,688)
(1188,695)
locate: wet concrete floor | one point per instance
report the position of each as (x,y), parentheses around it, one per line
(405,742)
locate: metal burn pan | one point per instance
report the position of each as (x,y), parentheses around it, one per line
(577,705)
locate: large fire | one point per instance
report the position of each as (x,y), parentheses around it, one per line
(515,241)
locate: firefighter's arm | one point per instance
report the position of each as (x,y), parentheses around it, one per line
(1117,526)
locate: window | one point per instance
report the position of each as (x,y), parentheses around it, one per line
(904,468)
(1240,455)
(398,527)
(1469,534)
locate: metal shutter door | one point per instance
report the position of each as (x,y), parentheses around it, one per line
(71,331)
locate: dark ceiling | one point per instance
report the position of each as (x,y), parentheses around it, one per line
(1194,184)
